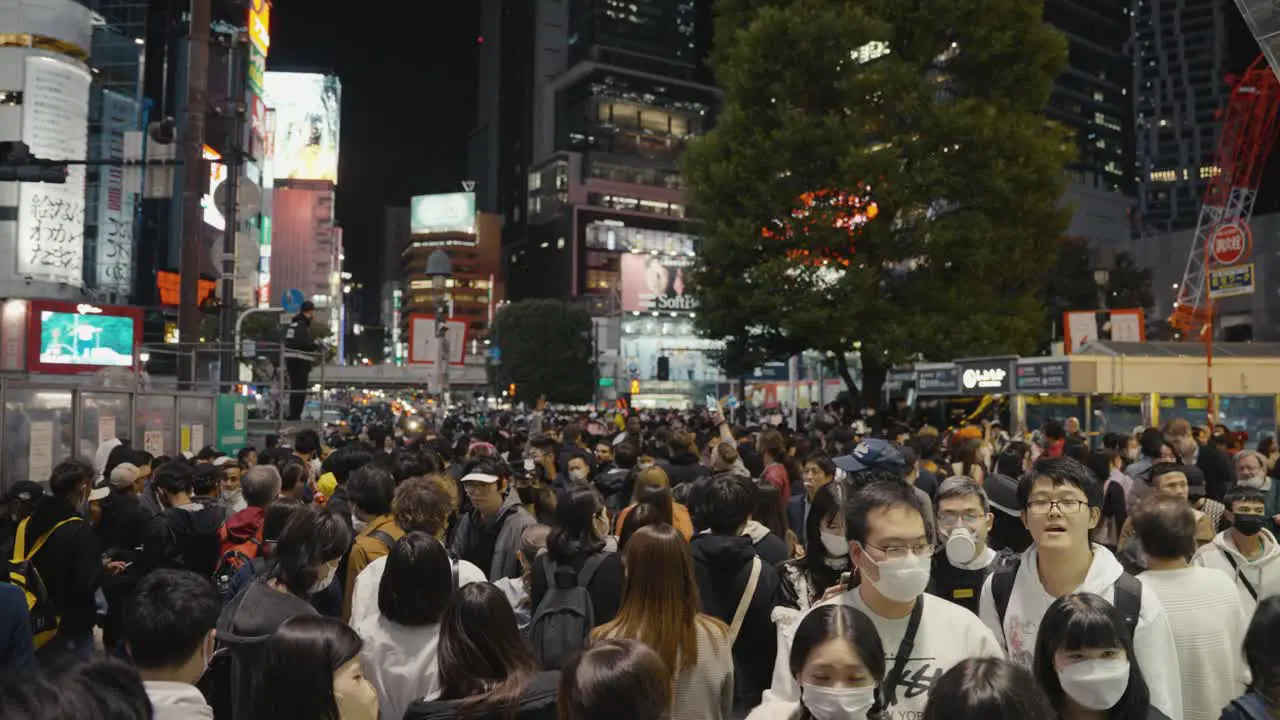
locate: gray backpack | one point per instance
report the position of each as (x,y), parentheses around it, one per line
(563,620)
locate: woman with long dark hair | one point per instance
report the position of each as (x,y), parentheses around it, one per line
(660,609)
(806,579)
(310,670)
(838,661)
(576,554)
(1085,662)
(613,674)
(487,671)
(401,638)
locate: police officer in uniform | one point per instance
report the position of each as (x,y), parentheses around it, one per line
(299,354)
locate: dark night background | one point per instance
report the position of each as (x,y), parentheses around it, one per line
(408,104)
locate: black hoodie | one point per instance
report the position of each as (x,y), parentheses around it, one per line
(722,566)
(685,467)
(184,538)
(70,563)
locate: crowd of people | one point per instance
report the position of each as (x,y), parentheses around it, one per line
(671,566)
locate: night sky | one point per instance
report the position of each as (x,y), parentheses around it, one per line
(408,104)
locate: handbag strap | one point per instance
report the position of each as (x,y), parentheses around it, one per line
(1234,566)
(905,648)
(741,613)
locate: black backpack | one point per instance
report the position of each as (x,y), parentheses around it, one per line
(562,622)
(1127,594)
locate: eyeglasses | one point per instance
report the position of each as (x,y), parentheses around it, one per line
(898,552)
(1067,506)
(948,519)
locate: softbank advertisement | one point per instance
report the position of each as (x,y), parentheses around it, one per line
(656,283)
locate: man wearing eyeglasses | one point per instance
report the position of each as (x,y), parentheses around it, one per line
(1061,503)
(965,560)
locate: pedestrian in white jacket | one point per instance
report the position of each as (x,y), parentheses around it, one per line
(1061,503)
(1247,552)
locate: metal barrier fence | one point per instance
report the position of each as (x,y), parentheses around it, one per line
(46,423)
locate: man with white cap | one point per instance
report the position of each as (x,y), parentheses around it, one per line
(489,535)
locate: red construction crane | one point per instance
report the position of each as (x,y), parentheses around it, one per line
(1248,134)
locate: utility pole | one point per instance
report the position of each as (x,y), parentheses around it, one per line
(193,182)
(227,321)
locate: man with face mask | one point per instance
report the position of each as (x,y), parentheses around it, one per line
(1247,551)
(891,545)
(964,522)
(169,631)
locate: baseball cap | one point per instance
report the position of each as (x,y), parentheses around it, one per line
(99,493)
(480,477)
(872,454)
(124,475)
(1002,494)
(24,490)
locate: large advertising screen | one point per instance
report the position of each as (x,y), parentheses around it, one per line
(308,108)
(656,283)
(70,338)
(55,126)
(444,213)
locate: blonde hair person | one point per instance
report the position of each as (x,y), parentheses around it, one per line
(649,486)
(660,609)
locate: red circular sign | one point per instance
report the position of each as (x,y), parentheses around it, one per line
(1230,243)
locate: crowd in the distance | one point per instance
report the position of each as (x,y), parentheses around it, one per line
(662,566)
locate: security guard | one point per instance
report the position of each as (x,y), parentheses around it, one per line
(299,354)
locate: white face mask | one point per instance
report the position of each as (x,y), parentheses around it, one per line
(325,580)
(901,580)
(578,475)
(529,465)
(232,496)
(835,544)
(1253,482)
(357,524)
(826,703)
(962,547)
(1096,684)
(644,465)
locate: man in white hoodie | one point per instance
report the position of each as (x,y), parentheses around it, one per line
(891,543)
(1061,503)
(168,629)
(1247,552)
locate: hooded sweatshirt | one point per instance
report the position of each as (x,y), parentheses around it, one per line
(1153,639)
(722,567)
(177,701)
(184,538)
(771,548)
(503,533)
(1262,573)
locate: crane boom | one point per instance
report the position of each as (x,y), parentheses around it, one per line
(1248,134)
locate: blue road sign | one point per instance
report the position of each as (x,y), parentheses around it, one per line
(292,300)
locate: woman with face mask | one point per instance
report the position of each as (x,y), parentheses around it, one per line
(806,579)
(1084,660)
(576,549)
(839,664)
(310,670)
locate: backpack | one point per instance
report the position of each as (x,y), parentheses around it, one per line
(196,550)
(383,538)
(1127,595)
(22,573)
(563,621)
(232,559)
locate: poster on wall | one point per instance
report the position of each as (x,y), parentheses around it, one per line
(55,112)
(656,283)
(116,201)
(307,107)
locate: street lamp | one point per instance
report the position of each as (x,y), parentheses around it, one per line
(1103,262)
(440,269)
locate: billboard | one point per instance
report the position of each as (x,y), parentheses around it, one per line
(113,256)
(444,213)
(55,125)
(217,175)
(424,346)
(307,109)
(653,283)
(71,338)
(260,26)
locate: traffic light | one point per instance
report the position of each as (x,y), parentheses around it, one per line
(664,368)
(17,164)
(511,390)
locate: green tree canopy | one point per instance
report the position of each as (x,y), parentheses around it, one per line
(880,176)
(546,349)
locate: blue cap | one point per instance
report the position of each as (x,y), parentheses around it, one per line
(873,454)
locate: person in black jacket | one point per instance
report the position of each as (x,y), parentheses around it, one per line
(685,466)
(582,523)
(300,349)
(723,560)
(70,562)
(184,536)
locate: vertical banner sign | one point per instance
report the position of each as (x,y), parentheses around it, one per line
(260,25)
(55,114)
(257,71)
(116,201)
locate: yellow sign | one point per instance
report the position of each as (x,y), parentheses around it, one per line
(260,25)
(635,387)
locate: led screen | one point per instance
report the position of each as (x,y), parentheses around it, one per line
(86,339)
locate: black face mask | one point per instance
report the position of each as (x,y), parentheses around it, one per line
(1248,525)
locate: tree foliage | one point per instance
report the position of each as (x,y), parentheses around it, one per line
(1073,286)
(546,349)
(930,109)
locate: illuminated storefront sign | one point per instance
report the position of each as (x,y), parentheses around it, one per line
(260,25)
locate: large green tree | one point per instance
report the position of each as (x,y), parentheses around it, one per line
(1074,285)
(881,177)
(546,349)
